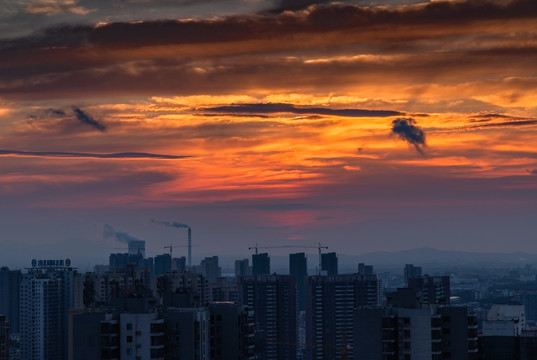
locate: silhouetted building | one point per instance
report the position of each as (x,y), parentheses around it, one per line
(137,247)
(364,269)
(163,264)
(87,340)
(411,271)
(330,302)
(231,332)
(4,338)
(193,283)
(179,264)
(273,300)
(9,297)
(210,269)
(224,290)
(529,299)
(433,289)
(118,262)
(260,264)
(329,263)
(298,268)
(242,268)
(430,333)
(187,333)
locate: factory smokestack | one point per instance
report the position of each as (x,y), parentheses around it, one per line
(189,246)
(175,224)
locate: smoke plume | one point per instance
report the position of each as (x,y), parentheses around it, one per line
(169,223)
(408,131)
(122,237)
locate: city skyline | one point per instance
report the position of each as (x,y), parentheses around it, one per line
(379,125)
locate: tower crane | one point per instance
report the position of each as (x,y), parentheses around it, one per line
(171,246)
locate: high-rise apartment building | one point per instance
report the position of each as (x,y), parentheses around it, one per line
(433,289)
(195,284)
(46,295)
(179,264)
(4,338)
(298,269)
(260,264)
(329,264)
(330,302)
(428,333)
(231,330)
(411,271)
(163,264)
(242,268)
(210,269)
(273,300)
(9,297)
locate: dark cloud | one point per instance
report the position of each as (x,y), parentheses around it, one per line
(509,123)
(126,155)
(276,51)
(57,112)
(270,108)
(533,172)
(322,218)
(88,120)
(293,5)
(408,131)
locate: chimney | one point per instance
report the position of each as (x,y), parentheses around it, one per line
(189,246)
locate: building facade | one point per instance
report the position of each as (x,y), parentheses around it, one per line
(273,301)
(46,295)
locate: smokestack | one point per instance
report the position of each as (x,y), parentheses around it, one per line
(189,246)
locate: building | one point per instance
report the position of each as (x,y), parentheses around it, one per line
(330,302)
(420,333)
(193,283)
(432,289)
(224,289)
(231,332)
(505,320)
(529,299)
(118,262)
(187,333)
(179,264)
(329,264)
(298,268)
(210,269)
(411,271)
(9,297)
(46,295)
(137,247)
(260,264)
(242,268)
(4,338)
(163,264)
(273,301)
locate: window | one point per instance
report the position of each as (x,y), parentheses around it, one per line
(129,326)
(129,339)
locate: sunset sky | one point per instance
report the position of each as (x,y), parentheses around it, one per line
(363,125)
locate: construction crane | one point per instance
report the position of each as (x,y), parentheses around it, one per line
(171,246)
(318,247)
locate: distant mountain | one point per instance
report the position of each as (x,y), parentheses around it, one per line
(429,256)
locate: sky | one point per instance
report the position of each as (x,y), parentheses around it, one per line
(360,125)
